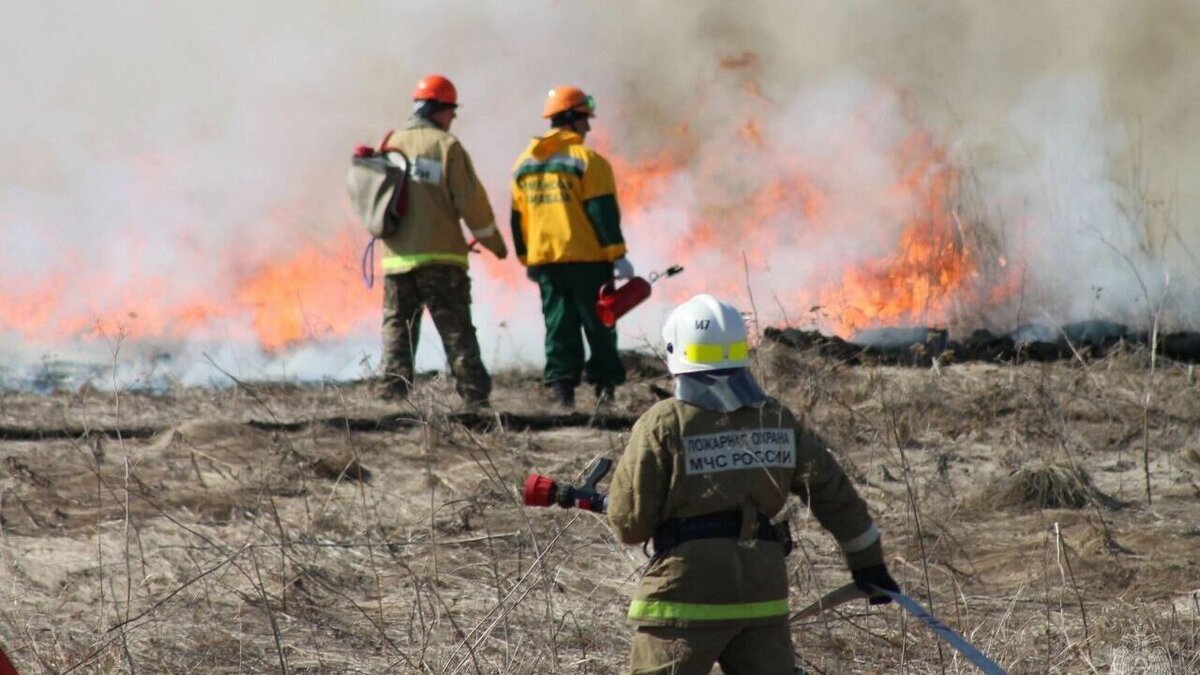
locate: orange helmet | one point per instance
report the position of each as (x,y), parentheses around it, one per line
(562,99)
(435,88)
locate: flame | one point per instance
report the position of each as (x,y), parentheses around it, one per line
(312,294)
(741,227)
(753,209)
(930,271)
(642,181)
(745,59)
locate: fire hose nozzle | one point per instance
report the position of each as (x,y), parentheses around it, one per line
(544,491)
(539,490)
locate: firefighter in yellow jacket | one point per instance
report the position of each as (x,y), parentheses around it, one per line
(566,229)
(425,261)
(702,477)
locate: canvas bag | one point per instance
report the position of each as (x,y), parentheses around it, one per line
(378,186)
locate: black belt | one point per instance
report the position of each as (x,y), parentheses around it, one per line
(720,525)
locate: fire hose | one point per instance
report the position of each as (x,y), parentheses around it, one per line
(544,491)
(851,592)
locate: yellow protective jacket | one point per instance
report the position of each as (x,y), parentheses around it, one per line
(564,203)
(685,461)
(442,188)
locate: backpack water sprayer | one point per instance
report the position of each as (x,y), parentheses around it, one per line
(378,187)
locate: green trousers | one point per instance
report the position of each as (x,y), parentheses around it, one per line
(569,292)
(756,650)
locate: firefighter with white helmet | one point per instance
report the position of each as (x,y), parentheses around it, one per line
(566,229)
(702,477)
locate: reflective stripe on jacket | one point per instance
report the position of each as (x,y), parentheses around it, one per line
(442,189)
(564,203)
(684,461)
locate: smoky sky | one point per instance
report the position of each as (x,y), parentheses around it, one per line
(172,147)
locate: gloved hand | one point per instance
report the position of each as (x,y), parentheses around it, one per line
(499,250)
(622,268)
(494,244)
(489,237)
(875,576)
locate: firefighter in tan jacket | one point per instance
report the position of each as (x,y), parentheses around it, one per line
(425,261)
(702,477)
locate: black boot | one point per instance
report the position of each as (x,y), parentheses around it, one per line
(477,404)
(394,390)
(605,394)
(564,393)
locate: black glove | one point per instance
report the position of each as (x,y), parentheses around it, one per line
(876,576)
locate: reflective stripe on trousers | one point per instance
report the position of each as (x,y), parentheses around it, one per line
(661,609)
(398,264)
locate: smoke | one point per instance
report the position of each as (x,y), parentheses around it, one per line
(1070,119)
(163,158)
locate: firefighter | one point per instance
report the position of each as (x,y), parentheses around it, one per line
(425,261)
(702,477)
(566,230)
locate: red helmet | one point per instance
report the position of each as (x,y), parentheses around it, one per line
(435,88)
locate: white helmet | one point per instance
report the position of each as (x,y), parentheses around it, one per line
(705,334)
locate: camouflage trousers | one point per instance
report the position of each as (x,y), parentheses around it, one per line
(446,291)
(693,651)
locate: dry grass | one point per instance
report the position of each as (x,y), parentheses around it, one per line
(1047,486)
(216,546)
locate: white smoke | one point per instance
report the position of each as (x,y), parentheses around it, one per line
(158,152)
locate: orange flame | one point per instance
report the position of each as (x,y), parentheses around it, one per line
(313,294)
(738,223)
(931,270)
(290,303)
(737,227)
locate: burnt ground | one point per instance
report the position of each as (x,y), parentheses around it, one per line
(315,529)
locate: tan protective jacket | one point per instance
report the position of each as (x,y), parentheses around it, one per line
(442,188)
(685,461)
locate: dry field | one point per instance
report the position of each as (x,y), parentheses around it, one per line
(314,529)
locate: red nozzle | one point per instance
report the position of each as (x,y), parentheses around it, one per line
(539,490)
(363,151)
